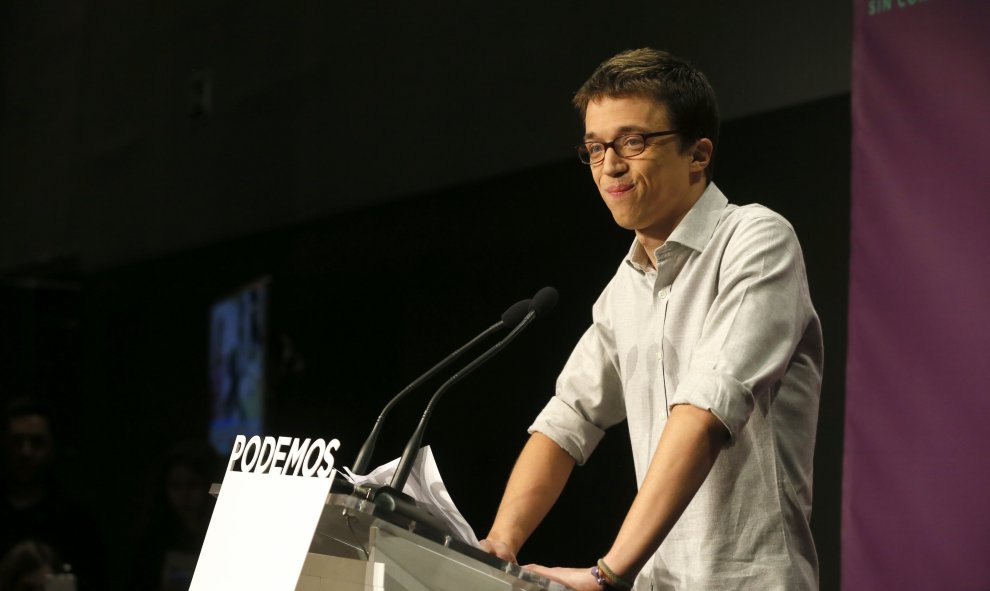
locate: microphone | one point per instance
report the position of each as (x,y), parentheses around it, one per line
(544,301)
(511,318)
(541,304)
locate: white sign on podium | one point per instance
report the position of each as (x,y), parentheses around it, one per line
(269,505)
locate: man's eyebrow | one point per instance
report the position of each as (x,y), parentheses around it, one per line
(622,130)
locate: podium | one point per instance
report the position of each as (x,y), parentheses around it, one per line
(409,552)
(389,544)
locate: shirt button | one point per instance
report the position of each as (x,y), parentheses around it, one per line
(659,355)
(663,293)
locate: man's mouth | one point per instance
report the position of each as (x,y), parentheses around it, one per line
(619,190)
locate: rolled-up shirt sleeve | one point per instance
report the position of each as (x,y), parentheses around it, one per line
(588,397)
(758,317)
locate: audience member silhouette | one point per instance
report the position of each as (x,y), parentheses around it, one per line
(176,518)
(29,566)
(33,506)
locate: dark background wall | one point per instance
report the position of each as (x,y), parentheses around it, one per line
(131,200)
(133,129)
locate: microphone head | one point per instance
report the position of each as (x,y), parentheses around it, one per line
(544,300)
(515,313)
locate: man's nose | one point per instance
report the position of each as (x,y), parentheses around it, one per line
(613,164)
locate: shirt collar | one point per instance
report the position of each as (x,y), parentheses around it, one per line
(694,231)
(697,227)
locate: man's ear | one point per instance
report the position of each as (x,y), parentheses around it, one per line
(702,155)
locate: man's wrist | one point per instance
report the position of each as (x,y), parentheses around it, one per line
(607,579)
(505,539)
(496,547)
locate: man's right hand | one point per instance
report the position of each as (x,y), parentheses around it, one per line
(499,549)
(536,481)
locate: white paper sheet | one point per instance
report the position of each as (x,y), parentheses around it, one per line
(426,486)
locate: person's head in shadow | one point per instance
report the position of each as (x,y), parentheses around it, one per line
(176,516)
(29,451)
(182,504)
(28,566)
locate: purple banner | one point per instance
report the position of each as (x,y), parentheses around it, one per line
(916,498)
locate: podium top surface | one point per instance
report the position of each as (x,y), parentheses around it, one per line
(348,521)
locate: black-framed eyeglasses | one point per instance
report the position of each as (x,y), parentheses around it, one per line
(626,145)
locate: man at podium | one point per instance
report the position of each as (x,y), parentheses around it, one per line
(705,342)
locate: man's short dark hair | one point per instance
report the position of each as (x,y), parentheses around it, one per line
(670,80)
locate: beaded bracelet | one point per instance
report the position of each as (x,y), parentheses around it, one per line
(607,578)
(600,578)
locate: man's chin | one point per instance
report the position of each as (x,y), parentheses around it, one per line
(624,222)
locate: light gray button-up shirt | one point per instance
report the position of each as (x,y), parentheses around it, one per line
(724,323)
